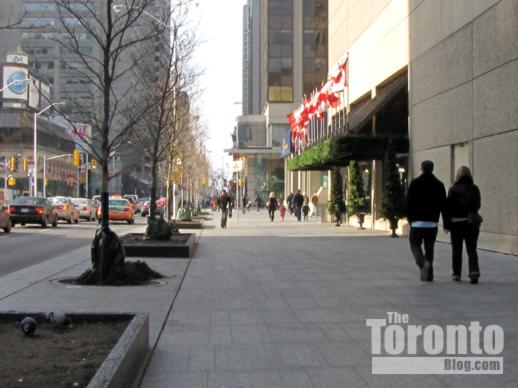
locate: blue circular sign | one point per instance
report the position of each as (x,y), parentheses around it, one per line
(18,87)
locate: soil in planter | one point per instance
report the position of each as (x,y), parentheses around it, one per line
(133,273)
(56,356)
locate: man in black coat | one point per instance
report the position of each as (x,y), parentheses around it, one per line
(426,201)
(289,200)
(224,204)
(298,201)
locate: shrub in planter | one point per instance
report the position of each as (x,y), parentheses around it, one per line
(336,205)
(158,229)
(184,214)
(393,203)
(356,200)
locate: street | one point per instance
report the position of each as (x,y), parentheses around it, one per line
(31,244)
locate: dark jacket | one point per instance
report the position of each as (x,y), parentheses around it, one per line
(463,198)
(426,199)
(298,200)
(272,204)
(224,202)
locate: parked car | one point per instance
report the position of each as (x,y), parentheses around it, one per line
(119,210)
(5,219)
(33,210)
(96,198)
(145,209)
(160,207)
(133,198)
(65,209)
(97,206)
(85,207)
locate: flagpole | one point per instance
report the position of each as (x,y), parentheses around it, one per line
(348,70)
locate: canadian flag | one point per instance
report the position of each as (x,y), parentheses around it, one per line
(327,96)
(339,77)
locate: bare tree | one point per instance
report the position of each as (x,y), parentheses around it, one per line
(166,93)
(10,19)
(114,107)
(166,122)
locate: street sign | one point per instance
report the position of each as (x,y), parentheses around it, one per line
(237,165)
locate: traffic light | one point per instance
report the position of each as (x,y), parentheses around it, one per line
(76,159)
(94,165)
(13,164)
(25,165)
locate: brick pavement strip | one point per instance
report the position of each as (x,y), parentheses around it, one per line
(285,304)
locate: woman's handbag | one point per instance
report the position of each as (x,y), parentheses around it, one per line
(475,218)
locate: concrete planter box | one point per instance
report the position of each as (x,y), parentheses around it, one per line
(200,217)
(189,224)
(180,245)
(125,363)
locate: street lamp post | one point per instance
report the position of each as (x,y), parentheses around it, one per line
(35,148)
(45,160)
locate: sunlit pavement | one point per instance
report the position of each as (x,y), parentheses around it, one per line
(285,305)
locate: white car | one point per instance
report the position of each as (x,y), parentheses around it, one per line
(86,208)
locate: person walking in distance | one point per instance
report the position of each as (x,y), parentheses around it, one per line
(282,211)
(272,205)
(464,223)
(289,200)
(245,203)
(314,205)
(298,201)
(224,204)
(426,200)
(257,202)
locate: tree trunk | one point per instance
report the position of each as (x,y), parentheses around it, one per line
(393,226)
(152,201)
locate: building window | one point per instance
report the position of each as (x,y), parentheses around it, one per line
(280,51)
(315,44)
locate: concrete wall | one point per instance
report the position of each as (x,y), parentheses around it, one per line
(464,90)
(375,33)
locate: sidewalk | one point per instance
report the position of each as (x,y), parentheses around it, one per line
(284,305)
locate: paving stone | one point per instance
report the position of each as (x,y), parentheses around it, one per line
(295,379)
(246,357)
(336,378)
(301,355)
(234,379)
(176,380)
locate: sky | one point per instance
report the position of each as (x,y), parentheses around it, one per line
(220,55)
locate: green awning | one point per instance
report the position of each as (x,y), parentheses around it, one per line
(340,150)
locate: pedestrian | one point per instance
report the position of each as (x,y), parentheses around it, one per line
(245,203)
(289,199)
(224,205)
(272,205)
(257,202)
(231,204)
(305,211)
(426,200)
(298,201)
(282,211)
(464,223)
(314,205)
(214,203)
